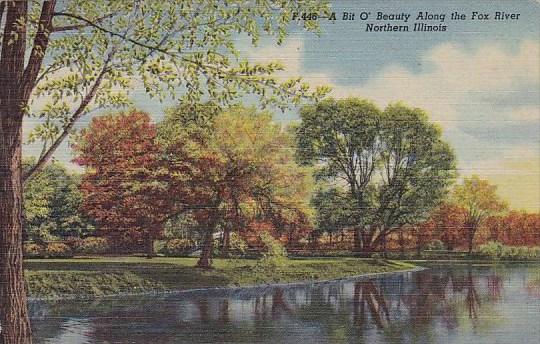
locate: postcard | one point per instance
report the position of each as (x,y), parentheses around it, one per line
(264,171)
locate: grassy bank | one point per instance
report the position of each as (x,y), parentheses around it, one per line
(94,277)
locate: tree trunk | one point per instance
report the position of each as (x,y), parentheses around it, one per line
(13,312)
(402,243)
(149,243)
(471,231)
(226,241)
(205,261)
(384,244)
(357,240)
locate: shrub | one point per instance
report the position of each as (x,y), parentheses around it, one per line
(73,242)
(58,250)
(33,251)
(178,247)
(274,254)
(491,249)
(435,245)
(94,245)
(237,245)
(496,250)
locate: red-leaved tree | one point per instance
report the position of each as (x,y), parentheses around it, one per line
(449,220)
(124,184)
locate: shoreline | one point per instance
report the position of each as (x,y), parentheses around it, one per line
(225,288)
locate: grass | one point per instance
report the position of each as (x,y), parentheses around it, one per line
(94,277)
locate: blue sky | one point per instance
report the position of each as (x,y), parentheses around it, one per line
(479,80)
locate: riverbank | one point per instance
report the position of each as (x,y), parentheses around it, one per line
(97,277)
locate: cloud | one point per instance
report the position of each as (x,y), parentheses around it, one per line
(454,77)
(290,55)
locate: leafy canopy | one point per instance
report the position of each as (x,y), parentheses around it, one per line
(51,205)
(393,164)
(239,162)
(91,54)
(479,198)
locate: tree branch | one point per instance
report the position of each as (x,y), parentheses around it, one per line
(81,26)
(41,41)
(153,48)
(74,118)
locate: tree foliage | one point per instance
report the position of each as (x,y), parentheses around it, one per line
(63,58)
(479,198)
(95,52)
(514,228)
(232,167)
(51,205)
(394,165)
(124,187)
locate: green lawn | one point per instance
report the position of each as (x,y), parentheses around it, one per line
(50,278)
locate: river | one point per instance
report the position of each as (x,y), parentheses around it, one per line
(444,304)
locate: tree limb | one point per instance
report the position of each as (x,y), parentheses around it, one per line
(67,129)
(41,41)
(81,26)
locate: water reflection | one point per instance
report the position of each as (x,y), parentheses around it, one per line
(443,304)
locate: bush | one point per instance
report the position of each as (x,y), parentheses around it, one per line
(58,250)
(274,255)
(496,250)
(33,251)
(93,245)
(435,245)
(177,247)
(73,242)
(237,245)
(491,249)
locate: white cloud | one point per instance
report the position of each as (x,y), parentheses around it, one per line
(453,77)
(290,55)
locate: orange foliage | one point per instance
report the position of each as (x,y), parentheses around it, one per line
(516,228)
(121,189)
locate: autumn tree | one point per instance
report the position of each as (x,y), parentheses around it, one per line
(394,164)
(480,200)
(449,220)
(514,228)
(230,167)
(80,55)
(124,184)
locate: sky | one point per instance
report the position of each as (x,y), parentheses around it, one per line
(479,80)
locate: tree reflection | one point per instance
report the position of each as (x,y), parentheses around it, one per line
(367,295)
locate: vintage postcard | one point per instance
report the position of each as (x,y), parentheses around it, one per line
(269,171)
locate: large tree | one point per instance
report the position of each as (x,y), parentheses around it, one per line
(230,167)
(124,186)
(393,164)
(480,200)
(80,55)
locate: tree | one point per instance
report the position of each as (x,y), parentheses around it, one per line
(416,170)
(231,167)
(394,164)
(480,200)
(335,210)
(82,55)
(514,228)
(51,205)
(449,220)
(124,184)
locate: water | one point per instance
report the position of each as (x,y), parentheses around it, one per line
(460,304)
